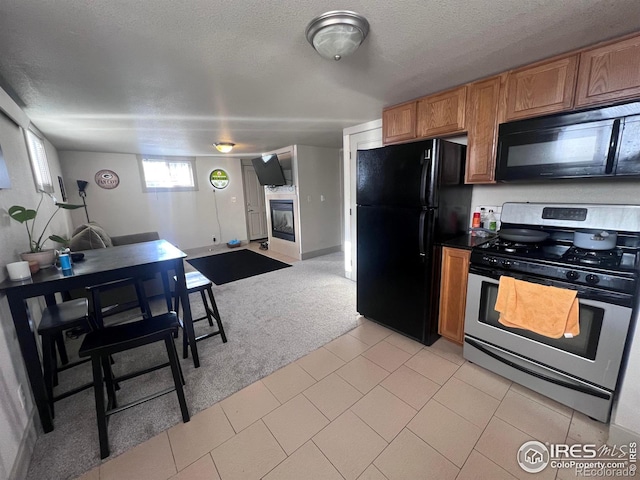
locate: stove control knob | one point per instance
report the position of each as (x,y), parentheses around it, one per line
(592,279)
(572,275)
(506,263)
(493,261)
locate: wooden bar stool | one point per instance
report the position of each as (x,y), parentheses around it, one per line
(196,282)
(55,320)
(100,344)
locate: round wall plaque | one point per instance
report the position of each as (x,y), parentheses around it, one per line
(219,178)
(107,179)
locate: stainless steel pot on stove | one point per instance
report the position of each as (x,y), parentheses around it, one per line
(595,239)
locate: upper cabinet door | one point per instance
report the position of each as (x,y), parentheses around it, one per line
(541,89)
(609,73)
(442,113)
(399,123)
(482,125)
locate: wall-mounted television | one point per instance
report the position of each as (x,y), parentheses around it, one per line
(269,170)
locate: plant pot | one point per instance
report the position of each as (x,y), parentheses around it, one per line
(45,258)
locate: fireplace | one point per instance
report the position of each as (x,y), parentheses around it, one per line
(282,224)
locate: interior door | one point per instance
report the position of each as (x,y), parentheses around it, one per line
(358,141)
(255,204)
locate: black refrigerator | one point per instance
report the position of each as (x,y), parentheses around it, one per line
(409,198)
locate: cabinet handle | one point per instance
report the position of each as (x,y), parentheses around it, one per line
(613,146)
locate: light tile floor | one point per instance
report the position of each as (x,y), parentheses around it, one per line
(371,404)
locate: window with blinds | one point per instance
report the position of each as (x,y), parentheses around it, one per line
(168,173)
(39,162)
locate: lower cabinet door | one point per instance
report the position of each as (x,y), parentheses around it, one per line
(453,293)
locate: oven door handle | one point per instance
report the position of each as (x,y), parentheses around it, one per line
(578,388)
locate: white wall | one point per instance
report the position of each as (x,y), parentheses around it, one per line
(318,179)
(17,431)
(186,219)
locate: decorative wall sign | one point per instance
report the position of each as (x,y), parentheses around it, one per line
(219,179)
(107,179)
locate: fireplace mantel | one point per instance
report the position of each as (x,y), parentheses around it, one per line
(279,245)
(314,186)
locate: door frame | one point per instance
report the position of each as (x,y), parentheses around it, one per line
(349,184)
(244,191)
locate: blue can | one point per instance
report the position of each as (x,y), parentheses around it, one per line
(65,261)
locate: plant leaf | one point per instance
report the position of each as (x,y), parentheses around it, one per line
(59,239)
(68,206)
(21,214)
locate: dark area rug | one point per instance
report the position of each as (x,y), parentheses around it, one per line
(231,266)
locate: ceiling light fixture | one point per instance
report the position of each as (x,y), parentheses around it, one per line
(337,34)
(224,147)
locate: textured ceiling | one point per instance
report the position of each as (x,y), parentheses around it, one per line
(173,76)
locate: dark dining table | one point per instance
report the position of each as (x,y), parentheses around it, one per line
(139,260)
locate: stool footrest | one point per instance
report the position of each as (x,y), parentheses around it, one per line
(142,400)
(72,392)
(207,335)
(137,373)
(74,364)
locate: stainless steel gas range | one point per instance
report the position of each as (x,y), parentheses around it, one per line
(581,372)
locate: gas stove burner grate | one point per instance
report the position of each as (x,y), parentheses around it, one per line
(515,247)
(600,258)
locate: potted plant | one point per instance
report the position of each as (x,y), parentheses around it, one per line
(44,257)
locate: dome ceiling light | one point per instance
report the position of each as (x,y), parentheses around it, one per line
(224,147)
(337,34)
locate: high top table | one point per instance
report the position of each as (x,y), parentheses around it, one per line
(98,266)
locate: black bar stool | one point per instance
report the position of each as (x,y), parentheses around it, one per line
(100,344)
(55,320)
(196,282)
(101,312)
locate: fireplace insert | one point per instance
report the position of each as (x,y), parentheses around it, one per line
(282,222)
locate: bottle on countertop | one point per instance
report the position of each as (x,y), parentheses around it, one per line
(491,222)
(476,219)
(483,218)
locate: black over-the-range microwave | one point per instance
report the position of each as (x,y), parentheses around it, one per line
(603,142)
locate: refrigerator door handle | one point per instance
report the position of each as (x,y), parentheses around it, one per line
(426,161)
(421,249)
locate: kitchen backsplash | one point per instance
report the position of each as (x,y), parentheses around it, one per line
(497,210)
(624,191)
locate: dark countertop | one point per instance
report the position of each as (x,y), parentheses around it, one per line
(467,241)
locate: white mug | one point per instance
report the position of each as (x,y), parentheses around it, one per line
(18,271)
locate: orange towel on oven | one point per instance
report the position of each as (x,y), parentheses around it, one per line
(548,311)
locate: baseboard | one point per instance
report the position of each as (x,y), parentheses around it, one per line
(319,253)
(28,443)
(621,436)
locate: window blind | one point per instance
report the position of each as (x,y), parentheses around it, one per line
(39,162)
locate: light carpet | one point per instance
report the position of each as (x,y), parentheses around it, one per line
(270,321)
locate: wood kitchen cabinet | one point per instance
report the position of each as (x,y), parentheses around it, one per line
(541,89)
(399,123)
(604,74)
(609,73)
(453,293)
(483,103)
(442,114)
